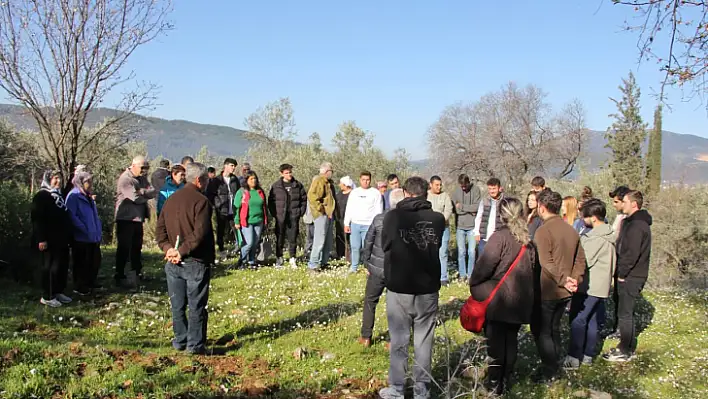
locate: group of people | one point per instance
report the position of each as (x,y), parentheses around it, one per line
(571,258)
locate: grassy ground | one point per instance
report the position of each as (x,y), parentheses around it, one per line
(286,333)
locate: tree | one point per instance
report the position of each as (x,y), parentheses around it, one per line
(60,59)
(626,136)
(674,33)
(511,134)
(654,155)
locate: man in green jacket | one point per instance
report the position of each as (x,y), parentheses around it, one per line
(322,204)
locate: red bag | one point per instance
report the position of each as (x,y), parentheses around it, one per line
(474,313)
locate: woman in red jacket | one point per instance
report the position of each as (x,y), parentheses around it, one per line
(251,217)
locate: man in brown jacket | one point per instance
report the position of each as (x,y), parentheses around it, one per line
(562,266)
(185,234)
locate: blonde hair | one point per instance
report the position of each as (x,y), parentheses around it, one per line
(511,212)
(570,209)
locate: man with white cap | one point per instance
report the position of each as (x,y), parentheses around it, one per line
(346,185)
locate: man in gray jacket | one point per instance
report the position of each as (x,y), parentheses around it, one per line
(132,195)
(466,199)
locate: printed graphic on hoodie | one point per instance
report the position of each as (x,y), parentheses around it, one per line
(422,234)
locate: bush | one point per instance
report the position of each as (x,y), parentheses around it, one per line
(15,229)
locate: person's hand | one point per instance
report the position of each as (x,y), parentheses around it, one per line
(347,229)
(237,226)
(93,197)
(368,273)
(458,205)
(43,246)
(173,256)
(571,284)
(477,238)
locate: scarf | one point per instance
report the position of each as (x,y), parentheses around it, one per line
(55,192)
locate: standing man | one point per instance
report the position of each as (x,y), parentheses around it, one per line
(186,219)
(411,243)
(223,190)
(442,203)
(488,219)
(633,253)
(211,185)
(245,168)
(617,196)
(346,185)
(466,198)
(157,180)
(133,193)
(538,184)
(186,160)
(287,202)
(393,184)
(562,262)
(364,204)
(322,206)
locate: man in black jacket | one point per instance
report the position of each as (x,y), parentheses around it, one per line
(633,253)
(412,235)
(287,202)
(373,256)
(222,189)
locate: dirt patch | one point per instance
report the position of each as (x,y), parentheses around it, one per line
(9,358)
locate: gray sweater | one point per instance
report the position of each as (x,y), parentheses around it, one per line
(469,204)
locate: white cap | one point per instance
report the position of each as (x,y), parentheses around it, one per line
(347,181)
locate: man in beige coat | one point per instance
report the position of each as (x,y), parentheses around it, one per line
(442,204)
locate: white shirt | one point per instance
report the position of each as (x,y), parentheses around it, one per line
(491,221)
(363,205)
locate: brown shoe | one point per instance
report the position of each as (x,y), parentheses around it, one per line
(387,346)
(365,342)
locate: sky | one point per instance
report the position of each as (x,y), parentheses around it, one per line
(393,66)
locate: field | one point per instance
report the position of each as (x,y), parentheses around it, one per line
(289,334)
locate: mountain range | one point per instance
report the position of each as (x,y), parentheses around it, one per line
(684,156)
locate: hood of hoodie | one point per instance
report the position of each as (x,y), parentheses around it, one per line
(642,215)
(414,204)
(603,231)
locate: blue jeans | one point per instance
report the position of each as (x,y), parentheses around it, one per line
(188,285)
(251,237)
(443,254)
(356,239)
(466,246)
(587,316)
(321,242)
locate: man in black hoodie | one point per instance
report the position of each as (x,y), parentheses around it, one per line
(287,202)
(222,190)
(412,235)
(633,252)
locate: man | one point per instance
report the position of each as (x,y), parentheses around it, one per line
(245,168)
(211,185)
(466,198)
(442,203)
(287,202)
(184,233)
(382,187)
(346,185)
(562,262)
(411,243)
(538,184)
(157,180)
(223,189)
(133,194)
(322,206)
(488,219)
(587,308)
(617,196)
(186,160)
(309,226)
(393,184)
(373,256)
(633,253)
(363,205)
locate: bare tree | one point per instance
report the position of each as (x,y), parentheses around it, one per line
(61,58)
(674,33)
(510,134)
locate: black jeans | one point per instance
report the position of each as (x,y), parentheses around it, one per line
(502,348)
(87,260)
(628,292)
(546,329)
(188,285)
(286,229)
(55,268)
(342,243)
(224,225)
(130,245)
(309,239)
(374,288)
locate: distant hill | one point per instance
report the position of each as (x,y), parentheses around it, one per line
(170,138)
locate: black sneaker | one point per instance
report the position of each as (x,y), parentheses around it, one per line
(123,283)
(617,356)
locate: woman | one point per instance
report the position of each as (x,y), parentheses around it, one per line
(173,182)
(579,225)
(570,210)
(513,303)
(534,221)
(86,248)
(51,234)
(251,216)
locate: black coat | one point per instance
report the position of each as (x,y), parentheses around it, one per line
(287,200)
(373,253)
(51,221)
(634,246)
(514,300)
(219,191)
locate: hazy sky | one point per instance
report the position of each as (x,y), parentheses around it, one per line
(392,66)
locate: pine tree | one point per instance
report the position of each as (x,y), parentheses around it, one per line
(654,155)
(626,136)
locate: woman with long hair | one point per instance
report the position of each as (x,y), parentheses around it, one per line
(570,209)
(513,303)
(531,211)
(251,216)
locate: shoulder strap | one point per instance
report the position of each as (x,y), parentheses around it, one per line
(513,265)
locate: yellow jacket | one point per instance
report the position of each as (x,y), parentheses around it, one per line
(321,197)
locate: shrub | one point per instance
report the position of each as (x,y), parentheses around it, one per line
(15,229)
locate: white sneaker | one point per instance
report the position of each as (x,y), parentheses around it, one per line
(52,303)
(279,263)
(293,263)
(63,298)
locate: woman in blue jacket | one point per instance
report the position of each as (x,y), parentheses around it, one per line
(86,246)
(173,182)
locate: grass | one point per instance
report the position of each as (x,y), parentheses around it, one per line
(118,345)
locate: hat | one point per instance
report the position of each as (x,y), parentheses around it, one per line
(347,181)
(381,184)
